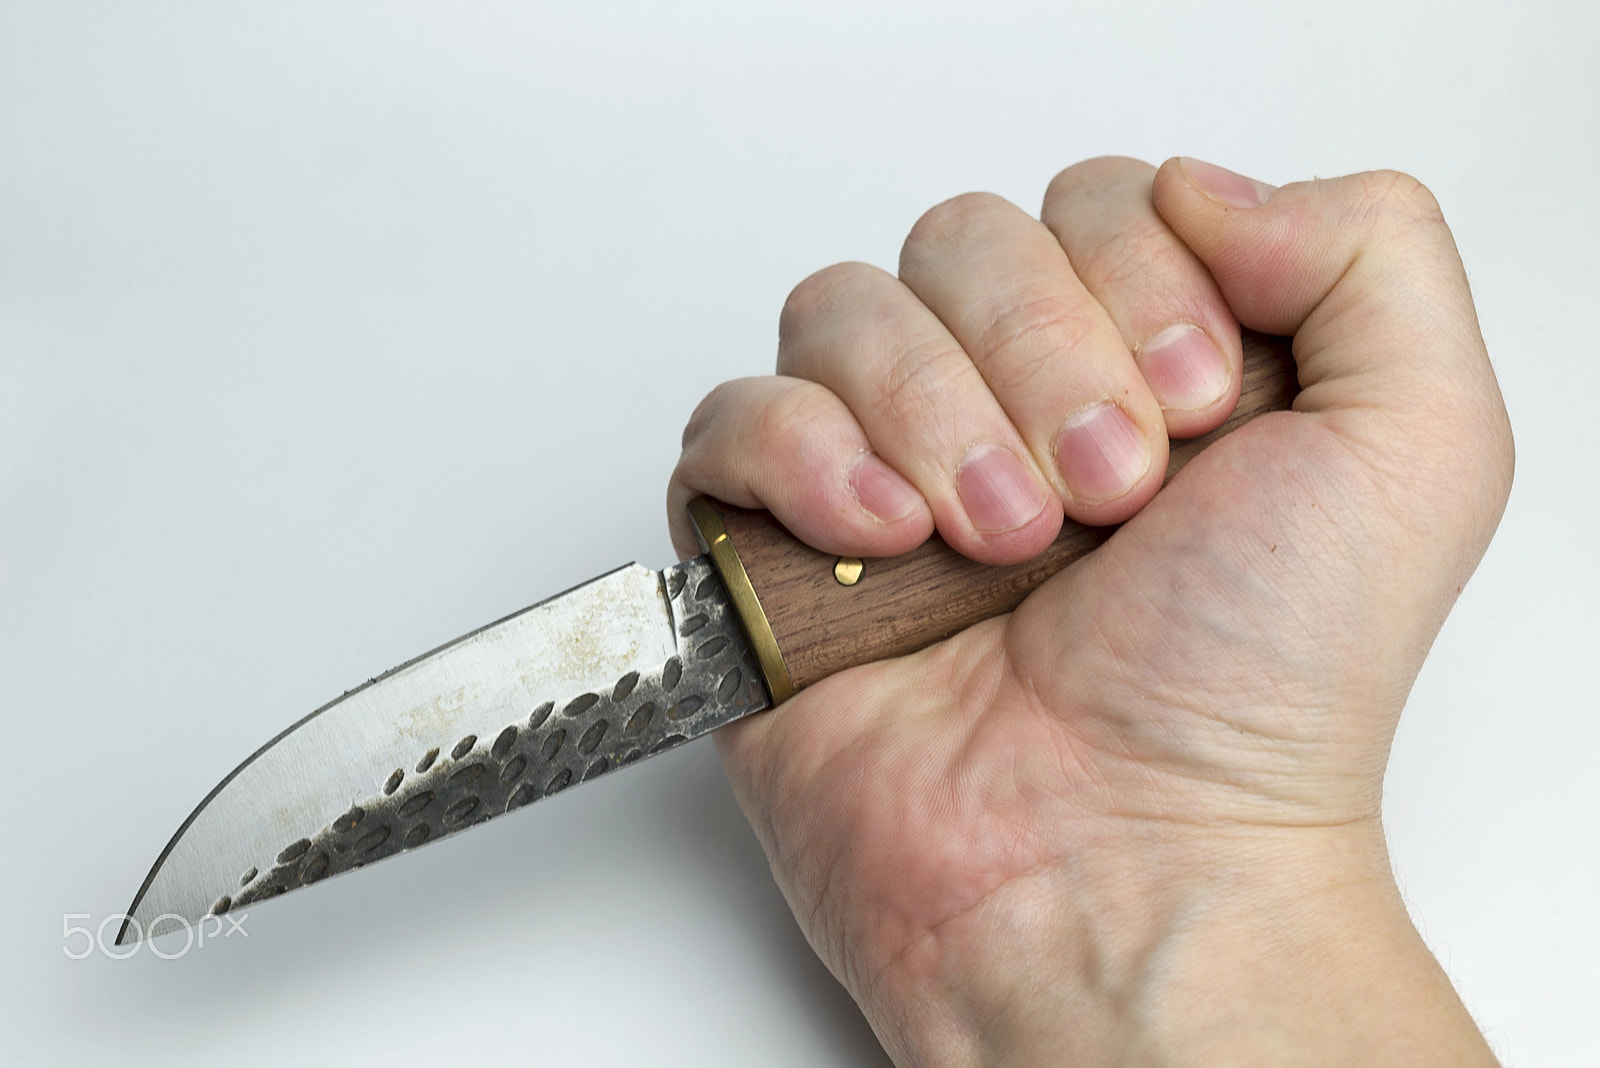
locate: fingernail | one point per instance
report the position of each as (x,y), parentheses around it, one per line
(881,490)
(996,490)
(1101,453)
(1183,367)
(1234,190)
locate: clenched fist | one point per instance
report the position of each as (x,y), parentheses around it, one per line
(1137,820)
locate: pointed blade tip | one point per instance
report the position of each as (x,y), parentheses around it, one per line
(577,739)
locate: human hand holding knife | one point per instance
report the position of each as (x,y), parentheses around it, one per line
(1170,753)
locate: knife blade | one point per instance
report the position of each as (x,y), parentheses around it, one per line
(627,665)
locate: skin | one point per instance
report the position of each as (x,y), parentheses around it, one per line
(1138,820)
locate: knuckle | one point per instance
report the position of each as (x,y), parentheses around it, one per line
(1128,257)
(1396,197)
(949,221)
(1025,338)
(704,415)
(924,376)
(792,442)
(787,419)
(821,294)
(1091,176)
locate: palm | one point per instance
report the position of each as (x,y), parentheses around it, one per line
(1149,685)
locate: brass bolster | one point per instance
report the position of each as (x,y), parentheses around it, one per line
(725,558)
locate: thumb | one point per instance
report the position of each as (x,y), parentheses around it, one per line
(1364,273)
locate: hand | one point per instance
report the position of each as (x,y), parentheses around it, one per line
(1139,818)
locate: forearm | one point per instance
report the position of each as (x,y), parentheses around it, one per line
(1289,948)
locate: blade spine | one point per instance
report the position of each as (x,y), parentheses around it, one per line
(183,828)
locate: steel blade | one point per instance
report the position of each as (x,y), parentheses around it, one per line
(626,666)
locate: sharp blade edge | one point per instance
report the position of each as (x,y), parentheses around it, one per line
(626,666)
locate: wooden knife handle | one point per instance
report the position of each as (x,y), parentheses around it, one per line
(806,623)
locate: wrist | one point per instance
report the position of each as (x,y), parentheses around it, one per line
(1258,945)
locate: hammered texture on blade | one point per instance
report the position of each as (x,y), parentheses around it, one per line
(567,740)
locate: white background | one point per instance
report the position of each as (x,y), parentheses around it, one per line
(331,331)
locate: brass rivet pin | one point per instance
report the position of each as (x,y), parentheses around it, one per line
(847,570)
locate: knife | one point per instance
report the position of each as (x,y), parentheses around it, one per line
(627,665)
